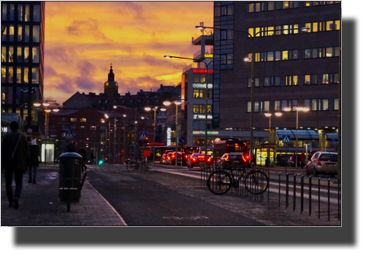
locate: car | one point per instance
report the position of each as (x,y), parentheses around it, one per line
(198,159)
(322,163)
(165,157)
(180,157)
(233,159)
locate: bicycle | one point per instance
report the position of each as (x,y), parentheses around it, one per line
(255,181)
(140,165)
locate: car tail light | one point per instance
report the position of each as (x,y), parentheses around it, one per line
(226,158)
(209,159)
(201,156)
(186,156)
(319,162)
(168,158)
(194,159)
(245,158)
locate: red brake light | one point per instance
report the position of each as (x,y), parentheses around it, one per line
(194,159)
(209,159)
(319,162)
(201,156)
(245,158)
(186,156)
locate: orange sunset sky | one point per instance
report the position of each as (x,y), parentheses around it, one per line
(83,38)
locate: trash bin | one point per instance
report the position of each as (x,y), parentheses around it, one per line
(70,176)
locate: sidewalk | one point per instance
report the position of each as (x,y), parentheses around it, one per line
(40,204)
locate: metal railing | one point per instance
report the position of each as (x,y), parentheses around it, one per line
(318,196)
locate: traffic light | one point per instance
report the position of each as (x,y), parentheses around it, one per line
(100,162)
(146,141)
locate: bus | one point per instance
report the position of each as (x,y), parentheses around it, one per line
(229,145)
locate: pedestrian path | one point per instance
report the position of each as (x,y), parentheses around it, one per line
(40,205)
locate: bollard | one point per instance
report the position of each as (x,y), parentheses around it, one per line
(294,198)
(319,195)
(310,195)
(279,189)
(287,190)
(329,199)
(301,193)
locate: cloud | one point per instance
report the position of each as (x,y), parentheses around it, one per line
(60,54)
(49,71)
(86,68)
(90,26)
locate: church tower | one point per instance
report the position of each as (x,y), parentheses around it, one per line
(111,87)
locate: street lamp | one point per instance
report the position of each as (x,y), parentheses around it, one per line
(202,27)
(148,109)
(206,94)
(303,109)
(177,103)
(269,115)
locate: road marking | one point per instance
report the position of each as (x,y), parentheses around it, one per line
(185,218)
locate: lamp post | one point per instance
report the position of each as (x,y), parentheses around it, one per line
(206,94)
(303,109)
(202,27)
(177,103)
(269,115)
(154,124)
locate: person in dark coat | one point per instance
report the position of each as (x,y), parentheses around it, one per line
(72,147)
(34,161)
(82,152)
(15,159)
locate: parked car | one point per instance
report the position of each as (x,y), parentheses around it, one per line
(165,157)
(233,159)
(198,159)
(179,156)
(322,163)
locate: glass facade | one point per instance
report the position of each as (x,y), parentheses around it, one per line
(21,59)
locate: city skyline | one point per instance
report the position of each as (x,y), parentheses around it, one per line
(84,38)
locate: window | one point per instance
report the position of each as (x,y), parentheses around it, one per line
(3,74)
(27,13)
(35,75)
(36,13)
(26,75)
(3,54)
(27,33)
(82,119)
(19,34)
(11,33)
(259,106)
(36,33)
(93,128)
(35,54)
(10,74)
(18,79)
(277,106)
(11,12)
(336,104)
(4,10)
(26,54)
(73,119)
(19,54)
(226,59)
(198,93)
(291,80)
(20,12)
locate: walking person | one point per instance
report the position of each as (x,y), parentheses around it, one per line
(82,152)
(14,161)
(72,147)
(302,159)
(34,161)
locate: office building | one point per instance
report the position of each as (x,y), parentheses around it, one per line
(22,61)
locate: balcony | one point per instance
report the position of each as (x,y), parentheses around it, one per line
(206,38)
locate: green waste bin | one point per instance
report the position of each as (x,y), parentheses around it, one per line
(70,176)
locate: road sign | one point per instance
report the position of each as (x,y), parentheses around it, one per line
(68,134)
(181,140)
(143,135)
(286,139)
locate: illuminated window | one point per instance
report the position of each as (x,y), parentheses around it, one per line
(19,54)
(35,75)
(20,12)
(27,33)
(19,78)
(336,104)
(19,34)
(82,119)
(73,119)
(27,13)
(26,54)
(285,55)
(26,75)
(3,74)
(35,54)
(3,54)
(329,52)
(11,32)
(307,79)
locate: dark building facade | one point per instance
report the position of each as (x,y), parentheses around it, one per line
(291,68)
(22,60)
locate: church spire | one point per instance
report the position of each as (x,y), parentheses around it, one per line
(111,75)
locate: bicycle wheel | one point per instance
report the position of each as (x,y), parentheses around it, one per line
(256,182)
(219,182)
(131,166)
